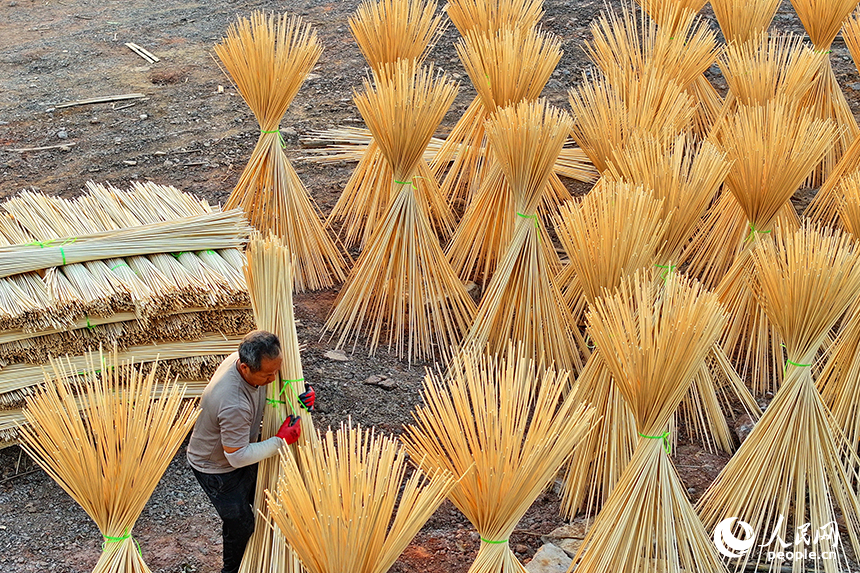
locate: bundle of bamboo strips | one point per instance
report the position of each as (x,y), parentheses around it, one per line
(350,143)
(805,280)
(605,116)
(269,277)
(508,67)
(671,12)
(387,31)
(654,337)
(683,47)
(522,302)
(486,16)
(610,233)
(18,380)
(345,505)
(742,21)
(402,280)
(773,147)
(509,431)
(108,453)
(824,207)
(219,230)
(123,330)
(11,420)
(268,57)
(822,20)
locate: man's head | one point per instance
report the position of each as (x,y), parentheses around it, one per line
(259,357)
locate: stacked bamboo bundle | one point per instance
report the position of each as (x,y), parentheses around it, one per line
(387,31)
(507,67)
(150,271)
(742,21)
(789,471)
(345,504)
(106,442)
(822,20)
(268,57)
(654,336)
(269,276)
(522,302)
(402,281)
(509,430)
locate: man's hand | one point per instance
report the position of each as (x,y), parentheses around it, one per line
(307,399)
(290,430)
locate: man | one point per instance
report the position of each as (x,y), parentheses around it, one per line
(224,452)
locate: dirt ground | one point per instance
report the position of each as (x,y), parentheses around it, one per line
(192,130)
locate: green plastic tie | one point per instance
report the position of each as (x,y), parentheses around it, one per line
(668,270)
(289,383)
(824,52)
(50,243)
(274,402)
(210,251)
(537,225)
(125,535)
(753,231)
(667,445)
(115,267)
(412,183)
(494,542)
(177,255)
(280,136)
(787,362)
(90,326)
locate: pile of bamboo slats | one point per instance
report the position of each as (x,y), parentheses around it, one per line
(150,271)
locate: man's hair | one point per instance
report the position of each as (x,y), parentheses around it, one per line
(256,345)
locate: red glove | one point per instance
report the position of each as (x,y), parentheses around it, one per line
(290,430)
(307,399)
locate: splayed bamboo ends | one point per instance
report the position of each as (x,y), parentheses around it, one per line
(345,505)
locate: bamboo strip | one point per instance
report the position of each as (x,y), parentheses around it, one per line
(402,280)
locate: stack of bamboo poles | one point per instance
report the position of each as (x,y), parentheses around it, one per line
(150,271)
(654,336)
(822,20)
(402,282)
(268,57)
(387,31)
(507,67)
(106,442)
(345,504)
(269,276)
(509,429)
(774,147)
(789,471)
(522,302)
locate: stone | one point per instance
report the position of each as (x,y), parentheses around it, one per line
(743,427)
(570,546)
(549,559)
(337,355)
(568,537)
(855,86)
(63,134)
(381,382)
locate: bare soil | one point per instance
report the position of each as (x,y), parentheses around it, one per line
(193,130)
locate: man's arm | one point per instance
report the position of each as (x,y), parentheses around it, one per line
(253,453)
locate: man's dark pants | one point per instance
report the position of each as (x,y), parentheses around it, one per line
(232,494)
